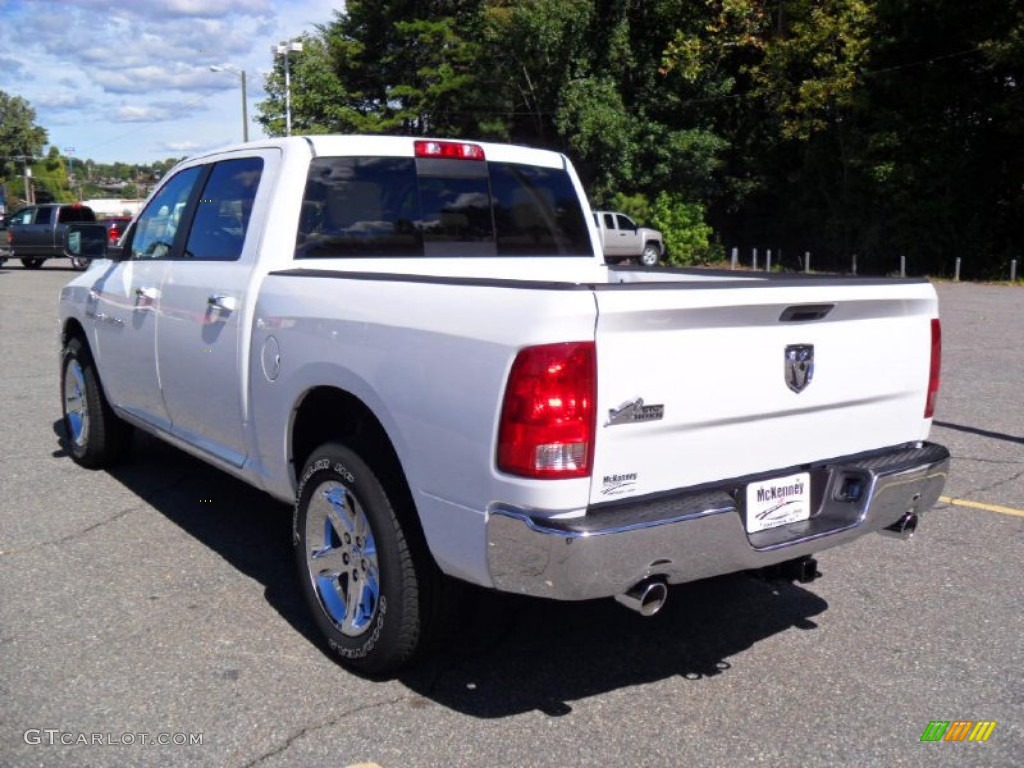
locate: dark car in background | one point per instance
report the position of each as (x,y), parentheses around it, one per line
(36,233)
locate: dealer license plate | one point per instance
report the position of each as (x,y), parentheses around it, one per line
(779,501)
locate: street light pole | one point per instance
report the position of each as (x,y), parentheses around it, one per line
(71,170)
(283,49)
(30,198)
(245,106)
(245,112)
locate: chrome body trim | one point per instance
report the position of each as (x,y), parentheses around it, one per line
(697,534)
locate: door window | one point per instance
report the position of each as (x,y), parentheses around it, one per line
(625,222)
(43,216)
(23,217)
(222,215)
(156,228)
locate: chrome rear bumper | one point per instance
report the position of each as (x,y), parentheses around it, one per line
(695,534)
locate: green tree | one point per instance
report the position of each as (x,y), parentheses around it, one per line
(687,235)
(319,100)
(50,179)
(872,127)
(20,137)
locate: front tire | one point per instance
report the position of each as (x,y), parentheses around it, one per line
(651,255)
(362,582)
(32,263)
(95,436)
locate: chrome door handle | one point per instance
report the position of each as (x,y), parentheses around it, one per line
(151,294)
(222,303)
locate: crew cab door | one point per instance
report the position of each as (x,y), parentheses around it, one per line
(613,243)
(30,230)
(124,298)
(201,344)
(627,236)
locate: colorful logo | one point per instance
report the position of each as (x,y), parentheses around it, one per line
(958,730)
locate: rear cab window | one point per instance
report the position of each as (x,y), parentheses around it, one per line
(72,213)
(355,207)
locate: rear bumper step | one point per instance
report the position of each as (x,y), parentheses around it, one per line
(696,534)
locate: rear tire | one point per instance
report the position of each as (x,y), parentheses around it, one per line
(368,585)
(32,263)
(95,436)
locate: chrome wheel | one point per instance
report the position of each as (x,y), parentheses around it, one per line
(650,255)
(341,558)
(76,408)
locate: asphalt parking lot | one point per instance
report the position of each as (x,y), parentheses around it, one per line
(157,603)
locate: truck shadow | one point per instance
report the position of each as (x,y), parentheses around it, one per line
(508,654)
(502,654)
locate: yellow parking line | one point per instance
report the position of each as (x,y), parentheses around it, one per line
(979,505)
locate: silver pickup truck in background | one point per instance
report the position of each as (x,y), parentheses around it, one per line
(418,343)
(622,239)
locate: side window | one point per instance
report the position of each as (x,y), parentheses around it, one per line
(222,216)
(609,221)
(360,206)
(625,222)
(154,231)
(43,215)
(23,217)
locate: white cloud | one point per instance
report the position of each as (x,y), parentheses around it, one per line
(14,67)
(140,114)
(88,67)
(182,146)
(61,101)
(152,79)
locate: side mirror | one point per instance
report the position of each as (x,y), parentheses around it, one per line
(86,241)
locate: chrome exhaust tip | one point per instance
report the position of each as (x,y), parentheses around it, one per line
(903,528)
(646,598)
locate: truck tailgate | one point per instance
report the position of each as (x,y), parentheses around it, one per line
(719,399)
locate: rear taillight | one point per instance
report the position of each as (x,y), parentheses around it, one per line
(452,150)
(115,234)
(933,373)
(547,418)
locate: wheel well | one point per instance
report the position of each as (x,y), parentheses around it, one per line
(328,414)
(72,328)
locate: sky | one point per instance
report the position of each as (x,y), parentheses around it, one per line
(131,81)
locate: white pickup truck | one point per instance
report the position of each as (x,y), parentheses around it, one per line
(418,343)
